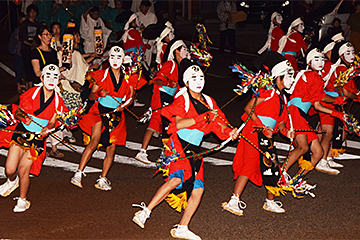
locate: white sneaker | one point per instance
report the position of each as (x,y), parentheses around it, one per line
(76,179)
(180,231)
(272,206)
(9,186)
(334,164)
(142,157)
(103,184)
(141,216)
(323,166)
(234,206)
(22,205)
(138,104)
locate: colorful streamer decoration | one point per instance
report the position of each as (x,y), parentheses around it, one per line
(351,73)
(71,118)
(6,117)
(203,37)
(352,125)
(255,81)
(145,118)
(202,57)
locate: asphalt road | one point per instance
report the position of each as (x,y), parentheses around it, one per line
(60,210)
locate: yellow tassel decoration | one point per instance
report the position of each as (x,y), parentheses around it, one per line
(177,201)
(305,164)
(277,190)
(336,152)
(86,140)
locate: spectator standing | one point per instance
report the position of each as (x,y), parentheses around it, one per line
(56,31)
(353,24)
(227,28)
(26,35)
(62,13)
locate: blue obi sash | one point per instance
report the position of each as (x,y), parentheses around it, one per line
(304,106)
(170,91)
(33,127)
(192,136)
(267,121)
(332,94)
(109,102)
(289,52)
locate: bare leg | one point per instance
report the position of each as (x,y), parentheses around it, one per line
(24,171)
(269,195)
(95,139)
(240,184)
(12,161)
(163,191)
(317,153)
(325,141)
(301,148)
(109,159)
(147,137)
(193,204)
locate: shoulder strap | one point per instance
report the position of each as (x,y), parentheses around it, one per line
(42,56)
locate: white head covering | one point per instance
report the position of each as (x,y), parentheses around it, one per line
(284,39)
(272,26)
(312,54)
(175,45)
(127,26)
(338,37)
(158,41)
(281,68)
(328,47)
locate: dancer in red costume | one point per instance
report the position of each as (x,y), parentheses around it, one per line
(105,122)
(269,111)
(342,56)
(275,33)
(27,151)
(165,86)
(292,43)
(191,119)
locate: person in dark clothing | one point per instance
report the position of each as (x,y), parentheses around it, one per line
(26,35)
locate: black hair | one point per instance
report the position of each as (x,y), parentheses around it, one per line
(336,19)
(39,31)
(146,3)
(32,7)
(53,24)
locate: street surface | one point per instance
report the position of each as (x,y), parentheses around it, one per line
(60,210)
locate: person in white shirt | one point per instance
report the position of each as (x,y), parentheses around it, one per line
(90,19)
(145,19)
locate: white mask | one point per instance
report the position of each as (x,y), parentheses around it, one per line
(184,52)
(317,63)
(116,55)
(349,55)
(50,75)
(301,28)
(194,76)
(278,19)
(289,79)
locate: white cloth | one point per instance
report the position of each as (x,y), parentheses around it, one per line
(87,32)
(268,41)
(146,20)
(77,72)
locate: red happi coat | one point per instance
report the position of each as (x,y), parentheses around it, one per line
(103,79)
(30,102)
(133,39)
(246,160)
(171,71)
(276,34)
(184,108)
(294,43)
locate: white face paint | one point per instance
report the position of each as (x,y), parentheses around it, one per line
(301,28)
(317,63)
(289,79)
(349,55)
(50,77)
(184,52)
(195,78)
(116,55)
(278,19)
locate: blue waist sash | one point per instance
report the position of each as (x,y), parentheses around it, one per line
(304,106)
(192,136)
(32,127)
(267,121)
(169,90)
(109,102)
(332,94)
(289,52)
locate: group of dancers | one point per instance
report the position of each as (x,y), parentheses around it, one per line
(183,115)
